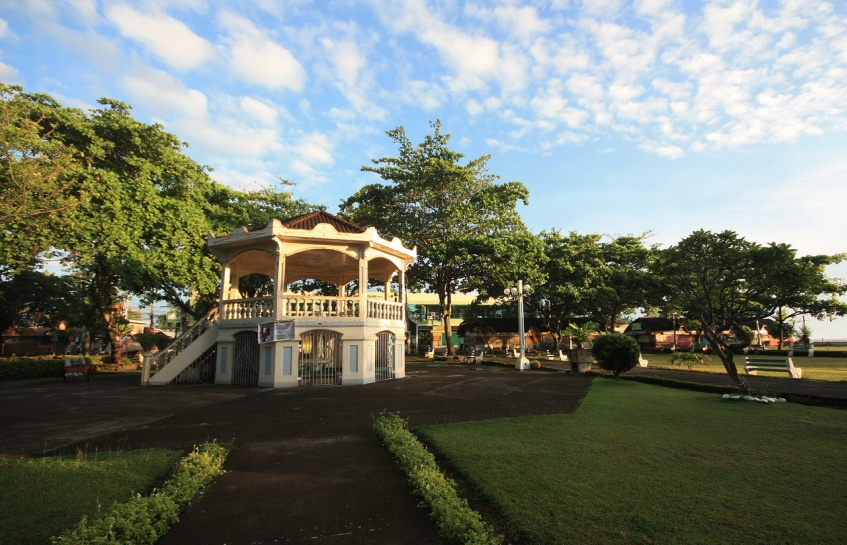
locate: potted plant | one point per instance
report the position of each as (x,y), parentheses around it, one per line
(147,341)
(580,356)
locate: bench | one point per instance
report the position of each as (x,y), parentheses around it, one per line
(561,356)
(473,357)
(753,365)
(642,362)
(77,367)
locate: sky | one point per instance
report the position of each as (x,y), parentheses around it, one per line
(619,116)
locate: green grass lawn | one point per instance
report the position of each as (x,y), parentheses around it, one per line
(832,369)
(645,464)
(41,497)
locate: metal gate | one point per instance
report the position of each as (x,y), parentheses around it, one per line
(202,370)
(245,359)
(320,358)
(384,360)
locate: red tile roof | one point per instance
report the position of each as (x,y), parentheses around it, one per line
(312,219)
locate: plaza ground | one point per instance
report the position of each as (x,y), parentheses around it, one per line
(307,466)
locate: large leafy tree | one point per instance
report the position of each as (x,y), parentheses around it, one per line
(723,280)
(464,224)
(120,200)
(801,287)
(143,227)
(44,175)
(626,279)
(574,269)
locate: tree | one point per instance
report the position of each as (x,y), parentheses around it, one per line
(801,287)
(228,208)
(616,352)
(723,280)
(128,210)
(626,282)
(42,177)
(464,224)
(574,270)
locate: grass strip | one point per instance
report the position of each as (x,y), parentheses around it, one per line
(145,519)
(645,465)
(456,521)
(41,497)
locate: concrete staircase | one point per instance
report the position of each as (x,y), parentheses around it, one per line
(185,350)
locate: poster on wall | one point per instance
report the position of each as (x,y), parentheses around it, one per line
(282,330)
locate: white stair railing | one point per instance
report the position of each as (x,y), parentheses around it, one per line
(164,357)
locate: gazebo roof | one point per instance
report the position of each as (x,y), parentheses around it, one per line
(313,219)
(317,245)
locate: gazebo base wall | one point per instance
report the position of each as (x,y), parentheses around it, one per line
(278,364)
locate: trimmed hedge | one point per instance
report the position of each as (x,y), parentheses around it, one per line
(25,368)
(143,520)
(456,521)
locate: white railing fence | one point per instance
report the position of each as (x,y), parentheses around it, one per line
(164,357)
(245,309)
(309,305)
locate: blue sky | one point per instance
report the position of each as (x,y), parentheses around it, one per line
(619,116)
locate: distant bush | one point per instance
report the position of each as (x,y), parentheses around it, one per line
(616,352)
(26,368)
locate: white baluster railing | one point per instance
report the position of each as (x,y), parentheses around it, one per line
(164,357)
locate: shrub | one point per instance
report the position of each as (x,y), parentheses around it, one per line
(26,368)
(145,519)
(456,521)
(616,352)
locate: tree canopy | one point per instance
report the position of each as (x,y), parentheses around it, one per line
(465,225)
(119,200)
(723,280)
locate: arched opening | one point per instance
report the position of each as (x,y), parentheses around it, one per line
(320,358)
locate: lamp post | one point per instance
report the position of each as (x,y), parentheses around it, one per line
(518,293)
(675,315)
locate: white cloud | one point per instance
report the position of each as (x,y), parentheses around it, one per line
(427,95)
(169,39)
(258,111)
(351,73)
(671,152)
(314,148)
(228,137)
(163,94)
(8,73)
(256,58)
(84,10)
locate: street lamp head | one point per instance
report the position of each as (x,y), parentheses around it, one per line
(527,288)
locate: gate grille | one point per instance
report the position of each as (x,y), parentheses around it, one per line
(245,364)
(384,360)
(320,358)
(202,370)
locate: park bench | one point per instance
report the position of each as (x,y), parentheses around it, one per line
(753,364)
(561,356)
(474,357)
(77,367)
(642,362)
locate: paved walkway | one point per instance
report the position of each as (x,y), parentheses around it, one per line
(307,467)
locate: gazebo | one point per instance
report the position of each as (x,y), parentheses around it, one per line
(311,300)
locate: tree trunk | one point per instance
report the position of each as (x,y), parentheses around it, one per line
(724,352)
